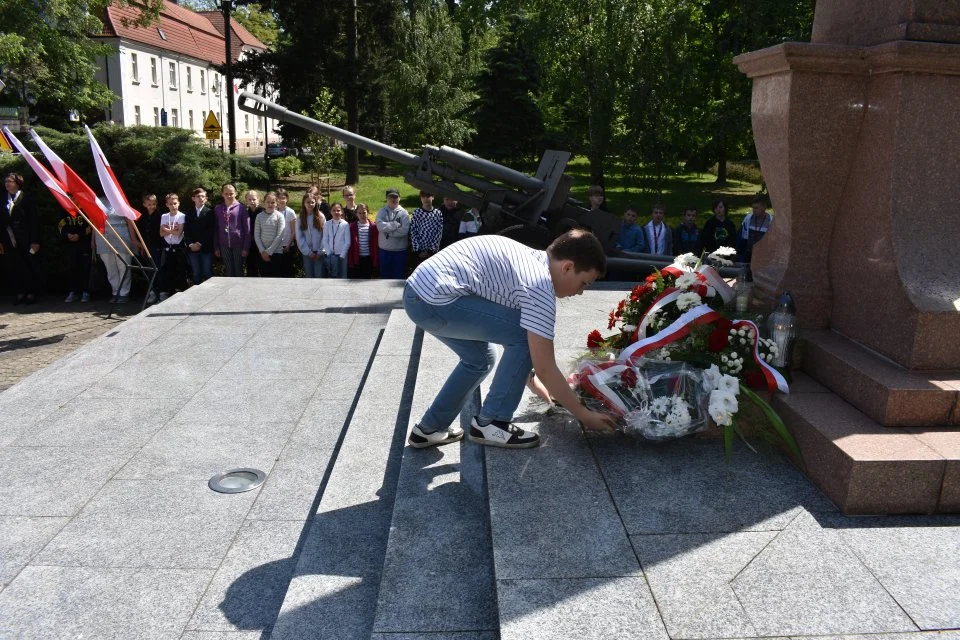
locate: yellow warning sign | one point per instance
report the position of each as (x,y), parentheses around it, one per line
(4,145)
(211,125)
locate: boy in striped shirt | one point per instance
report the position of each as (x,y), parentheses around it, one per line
(491,289)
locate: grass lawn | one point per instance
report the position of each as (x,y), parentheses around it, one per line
(678,191)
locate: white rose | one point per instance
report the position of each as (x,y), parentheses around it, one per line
(728,384)
(727,401)
(686,281)
(687,300)
(711,377)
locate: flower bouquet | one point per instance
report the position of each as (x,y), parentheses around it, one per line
(679,317)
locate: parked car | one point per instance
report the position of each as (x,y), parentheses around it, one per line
(277,150)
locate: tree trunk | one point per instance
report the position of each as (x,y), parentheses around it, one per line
(353,157)
(722,164)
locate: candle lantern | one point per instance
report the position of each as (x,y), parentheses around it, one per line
(742,291)
(782,325)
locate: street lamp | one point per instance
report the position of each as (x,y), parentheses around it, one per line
(226,6)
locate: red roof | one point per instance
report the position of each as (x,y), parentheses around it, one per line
(239,36)
(186,32)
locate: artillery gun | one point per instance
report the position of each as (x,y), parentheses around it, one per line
(531,209)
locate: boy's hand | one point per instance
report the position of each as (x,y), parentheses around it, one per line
(595,421)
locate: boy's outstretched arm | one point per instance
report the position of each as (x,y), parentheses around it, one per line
(545,364)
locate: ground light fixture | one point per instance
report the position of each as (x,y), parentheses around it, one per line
(237,480)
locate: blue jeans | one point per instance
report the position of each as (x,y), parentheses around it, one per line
(393,265)
(468,326)
(312,268)
(201,263)
(336,267)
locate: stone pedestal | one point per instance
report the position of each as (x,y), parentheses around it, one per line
(860,147)
(858,135)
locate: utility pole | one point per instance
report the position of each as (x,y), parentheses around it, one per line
(353,155)
(227,5)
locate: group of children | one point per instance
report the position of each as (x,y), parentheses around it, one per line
(658,238)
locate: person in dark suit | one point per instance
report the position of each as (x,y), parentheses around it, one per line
(19,239)
(198,234)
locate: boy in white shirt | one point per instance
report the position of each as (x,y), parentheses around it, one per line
(289,233)
(491,289)
(173,261)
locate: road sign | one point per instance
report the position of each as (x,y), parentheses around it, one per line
(211,127)
(4,145)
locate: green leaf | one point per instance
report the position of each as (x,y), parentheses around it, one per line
(775,421)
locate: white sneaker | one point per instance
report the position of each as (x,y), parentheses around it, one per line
(71,297)
(502,434)
(420,440)
(151,297)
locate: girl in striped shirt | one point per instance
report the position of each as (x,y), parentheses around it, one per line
(491,289)
(362,258)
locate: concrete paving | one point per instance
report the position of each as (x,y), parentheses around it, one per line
(108,529)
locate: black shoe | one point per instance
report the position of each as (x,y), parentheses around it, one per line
(30,300)
(503,434)
(20,300)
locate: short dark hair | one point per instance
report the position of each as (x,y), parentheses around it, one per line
(580,247)
(659,205)
(632,207)
(198,191)
(16,178)
(759,198)
(694,209)
(280,191)
(595,190)
(718,202)
(425,193)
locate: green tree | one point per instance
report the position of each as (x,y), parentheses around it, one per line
(428,86)
(506,114)
(48,60)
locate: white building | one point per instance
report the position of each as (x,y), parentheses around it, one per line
(164,74)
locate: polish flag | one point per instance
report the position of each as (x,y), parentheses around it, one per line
(57,189)
(79,190)
(111,187)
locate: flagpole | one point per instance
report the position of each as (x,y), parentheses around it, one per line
(142,243)
(129,250)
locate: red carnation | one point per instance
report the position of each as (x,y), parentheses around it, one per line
(629,378)
(594,339)
(623,303)
(755,380)
(612,321)
(652,277)
(718,340)
(723,324)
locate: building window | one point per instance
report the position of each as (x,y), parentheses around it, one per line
(259,125)
(190,118)
(246,123)
(174,118)
(154,73)
(136,114)
(216,85)
(156,116)
(203,85)
(173,75)
(162,35)
(189,80)
(135,68)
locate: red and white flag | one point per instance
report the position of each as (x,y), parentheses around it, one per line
(57,189)
(79,190)
(111,187)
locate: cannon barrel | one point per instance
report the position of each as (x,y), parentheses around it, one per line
(465,160)
(262,106)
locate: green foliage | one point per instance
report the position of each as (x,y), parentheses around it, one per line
(506,112)
(286,166)
(48,58)
(427,88)
(326,154)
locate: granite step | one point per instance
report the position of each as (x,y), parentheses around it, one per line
(437,577)
(867,468)
(333,591)
(889,394)
(565,567)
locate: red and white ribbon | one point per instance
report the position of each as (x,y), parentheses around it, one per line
(680,327)
(714,279)
(669,295)
(774,378)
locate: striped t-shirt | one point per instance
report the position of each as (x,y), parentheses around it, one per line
(495,268)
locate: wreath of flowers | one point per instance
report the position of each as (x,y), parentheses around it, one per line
(681,314)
